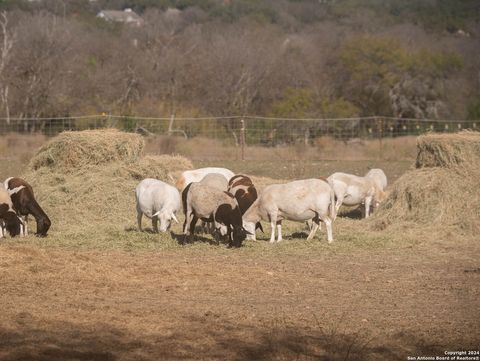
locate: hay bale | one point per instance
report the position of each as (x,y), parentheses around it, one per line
(99,194)
(433,198)
(73,150)
(442,192)
(86,180)
(448,150)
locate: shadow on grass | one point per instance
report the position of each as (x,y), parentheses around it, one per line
(352,213)
(202,338)
(195,238)
(144,230)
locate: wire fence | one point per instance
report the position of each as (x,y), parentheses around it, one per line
(250,130)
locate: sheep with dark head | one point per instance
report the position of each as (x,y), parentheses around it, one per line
(24,203)
(244,191)
(8,217)
(210,204)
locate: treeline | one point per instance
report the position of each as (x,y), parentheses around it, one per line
(286,58)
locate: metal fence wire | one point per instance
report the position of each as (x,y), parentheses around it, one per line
(249,130)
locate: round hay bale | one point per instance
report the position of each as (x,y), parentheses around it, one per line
(73,150)
(448,150)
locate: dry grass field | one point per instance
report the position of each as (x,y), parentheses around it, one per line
(97,289)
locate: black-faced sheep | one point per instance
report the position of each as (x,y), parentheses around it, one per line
(24,203)
(8,217)
(213,205)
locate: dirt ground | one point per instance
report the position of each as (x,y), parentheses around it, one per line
(219,304)
(357,299)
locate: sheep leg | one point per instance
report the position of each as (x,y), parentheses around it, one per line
(189,225)
(368,202)
(315,226)
(2,234)
(309,224)
(23,226)
(339,202)
(155,224)
(139,220)
(273,221)
(203,226)
(328,225)
(209,227)
(192,224)
(279,231)
(188,219)
(312,223)
(186,224)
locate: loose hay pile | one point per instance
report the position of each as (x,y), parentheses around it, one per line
(86,180)
(73,150)
(448,150)
(441,195)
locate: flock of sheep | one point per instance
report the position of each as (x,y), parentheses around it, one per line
(230,207)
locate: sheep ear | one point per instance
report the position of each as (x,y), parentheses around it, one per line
(174,218)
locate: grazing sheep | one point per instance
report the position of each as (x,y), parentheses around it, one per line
(302,200)
(218,181)
(379,177)
(159,201)
(244,191)
(215,180)
(352,190)
(196,175)
(24,203)
(210,204)
(9,220)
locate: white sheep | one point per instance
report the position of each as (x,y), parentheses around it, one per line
(379,177)
(215,180)
(301,200)
(159,201)
(196,175)
(352,190)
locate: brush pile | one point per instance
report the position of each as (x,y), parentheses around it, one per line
(87,179)
(441,193)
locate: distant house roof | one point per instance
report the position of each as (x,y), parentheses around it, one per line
(127,16)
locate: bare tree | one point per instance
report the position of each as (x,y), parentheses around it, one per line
(5,54)
(38,74)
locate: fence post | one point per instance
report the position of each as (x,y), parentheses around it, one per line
(170,124)
(380,124)
(242,138)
